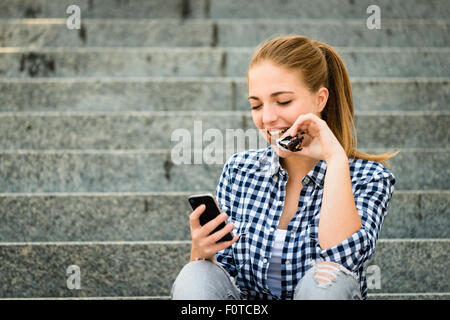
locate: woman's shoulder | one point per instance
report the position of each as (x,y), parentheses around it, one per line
(362,170)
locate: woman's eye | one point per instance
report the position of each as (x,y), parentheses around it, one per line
(285,102)
(255,107)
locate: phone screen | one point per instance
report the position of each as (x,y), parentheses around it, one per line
(211,211)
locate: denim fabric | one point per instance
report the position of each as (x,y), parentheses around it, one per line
(206,280)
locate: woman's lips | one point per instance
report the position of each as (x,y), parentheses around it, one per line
(276,133)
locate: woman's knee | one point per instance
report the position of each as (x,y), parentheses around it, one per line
(202,280)
(328,281)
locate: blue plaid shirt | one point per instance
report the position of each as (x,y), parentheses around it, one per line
(251,191)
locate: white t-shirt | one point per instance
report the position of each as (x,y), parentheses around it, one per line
(274,272)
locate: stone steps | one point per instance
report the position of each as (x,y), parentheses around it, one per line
(174,9)
(87,173)
(214,94)
(409,296)
(326,9)
(156,130)
(368,62)
(216,9)
(201,62)
(131,269)
(160,216)
(219,32)
(370,296)
(153,170)
(336,32)
(105,33)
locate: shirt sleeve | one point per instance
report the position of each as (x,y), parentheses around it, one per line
(223,194)
(372,198)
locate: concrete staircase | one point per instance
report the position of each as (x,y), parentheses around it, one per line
(86,116)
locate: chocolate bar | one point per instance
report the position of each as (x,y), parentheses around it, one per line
(292,144)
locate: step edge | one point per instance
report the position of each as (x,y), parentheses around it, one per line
(179,242)
(171,193)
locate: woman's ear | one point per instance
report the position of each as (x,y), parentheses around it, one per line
(321,99)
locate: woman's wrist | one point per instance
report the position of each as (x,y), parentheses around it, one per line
(339,156)
(213,259)
(195,256)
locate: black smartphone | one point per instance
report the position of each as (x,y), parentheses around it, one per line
(212,210)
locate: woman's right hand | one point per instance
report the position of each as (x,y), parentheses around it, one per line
(204,245)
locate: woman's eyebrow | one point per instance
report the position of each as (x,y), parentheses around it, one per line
(272,95)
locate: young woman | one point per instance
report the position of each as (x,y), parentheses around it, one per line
(306,221)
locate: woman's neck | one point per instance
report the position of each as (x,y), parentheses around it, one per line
(298,166)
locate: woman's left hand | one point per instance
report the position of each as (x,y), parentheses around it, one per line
(324,145)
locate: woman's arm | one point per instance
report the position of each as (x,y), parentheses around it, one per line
(349,223)
(339,217)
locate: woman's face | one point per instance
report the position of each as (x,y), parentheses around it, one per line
(277,97)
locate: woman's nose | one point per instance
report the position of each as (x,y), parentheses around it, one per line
(269,115)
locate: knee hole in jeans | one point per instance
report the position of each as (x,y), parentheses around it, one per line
(326,272)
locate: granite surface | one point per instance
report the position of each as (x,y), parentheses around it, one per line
(223,33)
(111,62)
(115,33)
(106,269)
(327,9)
(116,213)
(417,214)
(368,62)
(164,216)
(209,62)
(148,94)
(163,130)
(412,265)
(87,171)
(341,33)
(118,131)
(149,269)
(217,9)
(116,95)
(410,296)
(142,171)
(94,217)
(140,9)
(401,94)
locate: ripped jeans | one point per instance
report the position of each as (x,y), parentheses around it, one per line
(207,280)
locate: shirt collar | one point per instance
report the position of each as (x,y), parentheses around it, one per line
(270,163)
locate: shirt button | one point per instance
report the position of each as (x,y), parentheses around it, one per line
(306,180)
(292,232)
(288,263)
(272,229)
(265,260)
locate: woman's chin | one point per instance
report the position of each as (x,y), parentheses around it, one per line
(281,153)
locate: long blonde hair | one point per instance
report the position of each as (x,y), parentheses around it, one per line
(320,66)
